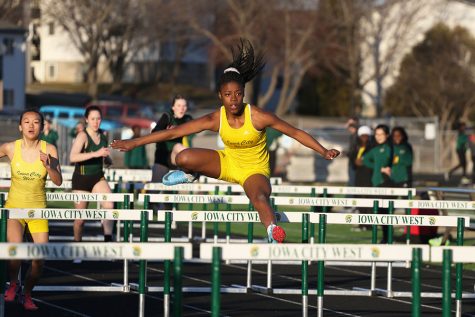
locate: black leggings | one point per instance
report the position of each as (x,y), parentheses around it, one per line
(462,163)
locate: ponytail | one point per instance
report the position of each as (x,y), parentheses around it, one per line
(245,65)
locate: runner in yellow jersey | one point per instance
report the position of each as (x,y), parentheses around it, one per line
(31,160)
(245,159)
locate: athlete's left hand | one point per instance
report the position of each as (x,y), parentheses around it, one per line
(123,145)
(45,159)
(331,154)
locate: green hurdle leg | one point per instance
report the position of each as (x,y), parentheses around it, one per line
(408,228)
(216,224)
(321,265)
(127,232)
(177,282)
(446,283)
(374,240)
(250,239)
(166,267)
(216,282)
(143,263)
(459,269)
(228,224)
(3,264)
(416,282)
(389,286)
(305,222)
(312,209)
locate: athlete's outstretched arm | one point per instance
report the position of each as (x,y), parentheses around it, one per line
(263,119)
(207,122)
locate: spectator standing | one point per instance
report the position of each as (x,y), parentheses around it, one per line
(352,127)
(49,134)
(136,158)
(401,171)
(379,159)
(471,145)
(461,149)
(362,172)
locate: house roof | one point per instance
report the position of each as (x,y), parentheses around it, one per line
(6,27)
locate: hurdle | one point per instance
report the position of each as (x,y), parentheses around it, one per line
(312,252)
(86,214)
(105,251)
(124,198)
(313,191)
(390,219)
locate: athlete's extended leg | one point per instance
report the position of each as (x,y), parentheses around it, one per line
(258,189)
(14,235)
(108,225)
(191,162)
(203,161)
(34,272)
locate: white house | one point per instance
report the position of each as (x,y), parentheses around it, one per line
(427,14)
(12,67)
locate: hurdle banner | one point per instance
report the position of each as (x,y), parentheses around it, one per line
(314,252)
(73,214)
(312,201)
(67,184)
(290,189)
(92,251)
(113,197)
(295,216)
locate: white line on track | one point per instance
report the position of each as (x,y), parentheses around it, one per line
(339,288)
(263,295)
(103,283)
(61,308)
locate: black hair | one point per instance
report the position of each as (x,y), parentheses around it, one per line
(92,108)
(42,119)
(403,132)
(245,61)
(383,127)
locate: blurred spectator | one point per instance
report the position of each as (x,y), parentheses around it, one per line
(136,158)
(379,159)
(49,134)
(80,126)
(461,149)
(471,145)
(352,128)
(362,172)
(401,170)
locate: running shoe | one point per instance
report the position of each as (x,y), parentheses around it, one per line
(276,234)
(178,177)
(28,303)
(11,292)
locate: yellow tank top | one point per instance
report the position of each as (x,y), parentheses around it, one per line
(245,145)
(28,181)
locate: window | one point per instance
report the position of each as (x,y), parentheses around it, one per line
(8,97)
(52,71)
(51,28)
(63,115)
(8,43)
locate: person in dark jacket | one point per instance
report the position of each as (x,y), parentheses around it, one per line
(461,149)
(166,152)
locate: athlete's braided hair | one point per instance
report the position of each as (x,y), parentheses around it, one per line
(245,65)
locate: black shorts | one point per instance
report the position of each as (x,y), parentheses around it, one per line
(86,182)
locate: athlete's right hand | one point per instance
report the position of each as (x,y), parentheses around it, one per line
(123,145)
(103,152)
